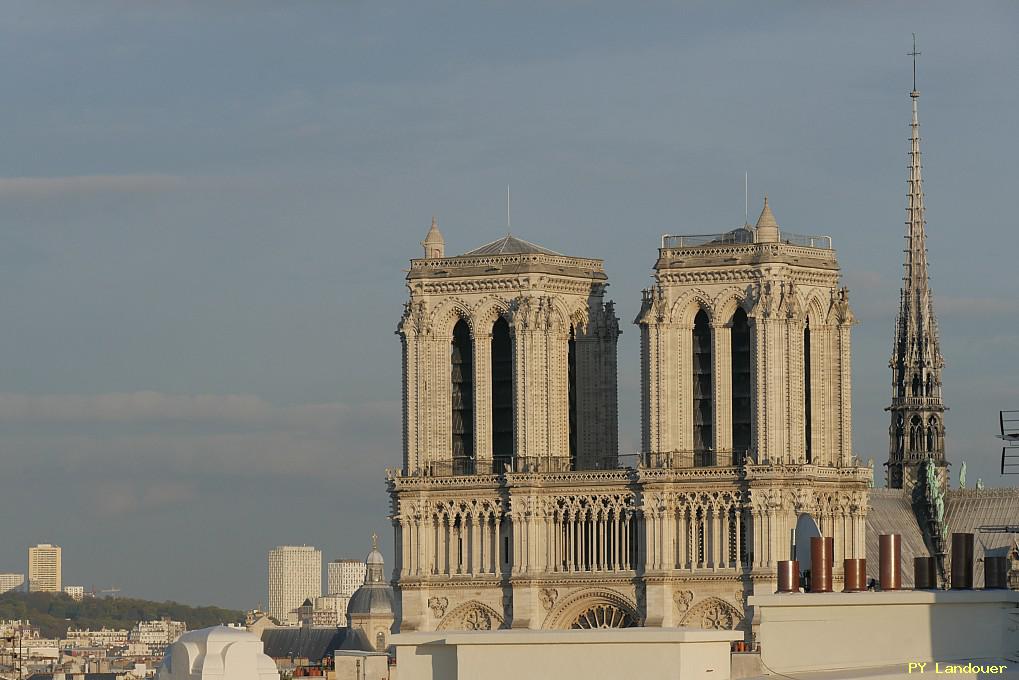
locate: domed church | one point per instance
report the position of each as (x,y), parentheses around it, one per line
(371,607)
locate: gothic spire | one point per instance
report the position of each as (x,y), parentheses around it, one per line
(917,429)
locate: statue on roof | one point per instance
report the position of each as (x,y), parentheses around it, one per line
(962,475)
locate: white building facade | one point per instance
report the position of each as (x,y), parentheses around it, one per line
(44,565)
(513,508)
(345,576)
(11,582)
(295,575)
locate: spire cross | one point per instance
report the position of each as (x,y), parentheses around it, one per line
(375,541)
(914,54)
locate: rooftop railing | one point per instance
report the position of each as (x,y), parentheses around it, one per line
(735,236)
(742,236)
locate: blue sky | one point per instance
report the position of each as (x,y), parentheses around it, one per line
(206,209)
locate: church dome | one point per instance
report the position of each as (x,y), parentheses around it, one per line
(376,595)
(372,599)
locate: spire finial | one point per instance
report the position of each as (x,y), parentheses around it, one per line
(508,230)
(767,228)
(434,244)
(375,541)
(914,54)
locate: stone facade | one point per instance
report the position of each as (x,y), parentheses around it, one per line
(740,435)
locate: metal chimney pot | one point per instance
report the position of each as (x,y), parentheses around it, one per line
(890,554)
(856,575)
(995,573)
(788,576)
(925,573)
(962,561)
(822,551)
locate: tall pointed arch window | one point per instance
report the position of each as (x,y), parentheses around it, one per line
(502,394)
(462,384)
(915,434)
(572,379)
(703,412)
(932,434)
(740,349)
(807,425)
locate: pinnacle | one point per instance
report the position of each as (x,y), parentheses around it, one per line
(767,218)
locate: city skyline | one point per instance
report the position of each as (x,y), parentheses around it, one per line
(204,268)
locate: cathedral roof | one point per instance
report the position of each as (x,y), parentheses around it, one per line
(966,511)
(510,245)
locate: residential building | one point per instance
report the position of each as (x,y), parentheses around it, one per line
(345,576)
(44,568)
(160,632)
(104,637)
(76,593)
(295,575)
(11,582)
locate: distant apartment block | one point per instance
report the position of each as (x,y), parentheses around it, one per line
(295,575)
(345,576)
(157,633)
(44,568)
(11,582)
(76,593)
(104,637)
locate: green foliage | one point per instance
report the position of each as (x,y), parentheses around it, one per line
(54,613)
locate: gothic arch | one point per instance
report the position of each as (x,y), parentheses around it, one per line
(446,315)
(472,615)
(726,302)
(597,604)
(488,311)
(713,613)
(686,307)
(563,315)
(814,308)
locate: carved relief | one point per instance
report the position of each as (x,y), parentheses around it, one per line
(477,619)
(438,606)
(548,597)
(683,598)
(471,615)
(713,613)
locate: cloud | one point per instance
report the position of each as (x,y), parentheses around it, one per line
(163,436)
(243,411)
(974,306)
(48,187)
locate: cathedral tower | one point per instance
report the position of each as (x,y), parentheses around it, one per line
(745,350)
(917,430)
(509,357)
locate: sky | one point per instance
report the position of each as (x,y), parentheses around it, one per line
(207,210)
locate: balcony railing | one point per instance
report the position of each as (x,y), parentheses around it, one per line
(522,464)
(694,459)
(541,464)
